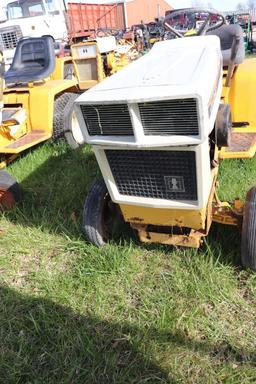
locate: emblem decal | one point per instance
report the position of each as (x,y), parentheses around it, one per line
(174,183)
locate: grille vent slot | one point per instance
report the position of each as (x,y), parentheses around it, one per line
(9,37)
(107,120)
(170,117)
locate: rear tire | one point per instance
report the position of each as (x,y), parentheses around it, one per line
(9,191)
(248,247)
(65,124)
(99,213)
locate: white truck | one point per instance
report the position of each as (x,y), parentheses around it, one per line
(31,18)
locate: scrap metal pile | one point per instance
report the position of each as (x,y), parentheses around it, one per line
(141,37)
(137,40)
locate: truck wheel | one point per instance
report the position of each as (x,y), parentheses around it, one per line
(248,248)
(99,214)
(65,123)
(223,126)
(9,191)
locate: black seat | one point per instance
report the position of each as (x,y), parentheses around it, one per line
(34,60)
(227,34)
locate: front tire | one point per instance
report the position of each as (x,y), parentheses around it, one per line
(99,214)
(65,123)
(248,248)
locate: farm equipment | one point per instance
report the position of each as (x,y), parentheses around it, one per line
(39,100)
(157,128)
(9,188)
(36,102)
(36,107)
(246,23)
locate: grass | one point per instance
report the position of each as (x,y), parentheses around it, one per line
(128,313)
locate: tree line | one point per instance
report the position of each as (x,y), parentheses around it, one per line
(241,6)
(250,4)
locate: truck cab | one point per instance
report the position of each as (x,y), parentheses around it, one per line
(30,18)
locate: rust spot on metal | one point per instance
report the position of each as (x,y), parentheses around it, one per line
(241,142)
(135,219)
(7,200)
(28,139)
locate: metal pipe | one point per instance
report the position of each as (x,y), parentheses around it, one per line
(231,66)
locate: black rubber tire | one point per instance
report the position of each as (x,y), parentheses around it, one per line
(10,185)
(223,126)
(62,118)
(248,245)
(94,218)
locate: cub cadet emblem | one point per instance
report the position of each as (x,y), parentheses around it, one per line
(174,183)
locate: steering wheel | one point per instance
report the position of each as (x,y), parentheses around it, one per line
(205,27)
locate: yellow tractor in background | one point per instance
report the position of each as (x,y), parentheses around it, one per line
(36,107)
(9,188)
(38,98)
(94,60)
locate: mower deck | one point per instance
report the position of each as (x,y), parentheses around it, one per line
(29,140)
(192,240)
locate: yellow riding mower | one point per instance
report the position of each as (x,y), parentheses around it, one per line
(9,188)
(157,128)
(38,99)
(35,106)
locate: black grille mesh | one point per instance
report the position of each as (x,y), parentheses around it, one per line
(154,174)
(107,120)
(9,37)
(170,117)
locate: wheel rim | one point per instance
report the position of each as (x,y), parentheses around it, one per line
(76,131)
(7,200)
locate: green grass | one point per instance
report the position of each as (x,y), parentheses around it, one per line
(128,313)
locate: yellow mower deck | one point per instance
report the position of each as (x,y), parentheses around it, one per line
(28,140)
(155,225)
(159,225)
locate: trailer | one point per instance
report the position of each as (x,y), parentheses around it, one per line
(83,18)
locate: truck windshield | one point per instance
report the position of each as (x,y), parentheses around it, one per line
(29,8)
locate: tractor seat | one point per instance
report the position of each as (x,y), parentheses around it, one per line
(34,60)
(227,34)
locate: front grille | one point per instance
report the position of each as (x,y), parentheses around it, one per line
(170,117)
(9,37)
(108,120)
(156,174)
